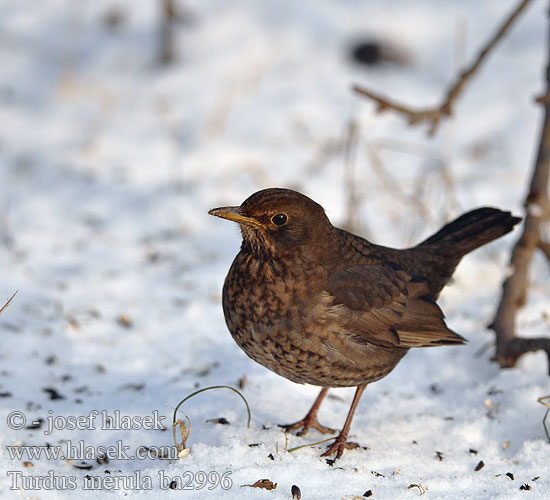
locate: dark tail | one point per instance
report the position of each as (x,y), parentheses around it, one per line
(472,230)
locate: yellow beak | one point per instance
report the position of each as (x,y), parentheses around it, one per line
(234,214)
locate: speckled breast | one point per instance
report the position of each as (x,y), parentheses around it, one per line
(281,318)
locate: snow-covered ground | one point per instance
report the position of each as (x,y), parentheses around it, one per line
(108,165)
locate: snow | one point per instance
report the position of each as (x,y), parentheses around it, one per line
(109,166)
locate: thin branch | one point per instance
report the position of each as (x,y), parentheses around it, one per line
(545,249)
(167,42)
(2,309)
(514,289)
(434,115)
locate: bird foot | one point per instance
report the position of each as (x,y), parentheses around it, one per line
(306,424)
(338,447)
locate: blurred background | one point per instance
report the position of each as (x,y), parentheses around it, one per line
(122,123)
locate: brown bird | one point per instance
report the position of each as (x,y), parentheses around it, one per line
(322,306)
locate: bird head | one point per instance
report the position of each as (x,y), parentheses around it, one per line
(280,222)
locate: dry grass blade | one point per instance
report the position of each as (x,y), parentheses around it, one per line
(8,302)
(290,450)
(208,389)
(185,431)
(545,401)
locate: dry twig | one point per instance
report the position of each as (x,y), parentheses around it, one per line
(434,115)
(8,302)
(514,289)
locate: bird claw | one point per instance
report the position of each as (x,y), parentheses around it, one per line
(305,425)
(339,446)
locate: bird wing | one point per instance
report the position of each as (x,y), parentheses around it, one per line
(387,307)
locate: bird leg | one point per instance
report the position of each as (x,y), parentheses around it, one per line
(341,441)
(310,420)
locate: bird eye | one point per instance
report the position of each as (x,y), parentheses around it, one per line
(279,219)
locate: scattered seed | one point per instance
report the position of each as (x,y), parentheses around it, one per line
(536,478)
(35,424)
(264,484)
(271,457)
(28,464)
(102,459)
(421,488)
(253,445)
(50,360)
(525,487)
(439,455)
(173,485)
(505,444)
(83,466)
(473,451)
(510,475)
(53,393)
(479,466)
(367,493)
(132,387)
(220,420)
(125,320)
(296,493)
(377,474)
(242,382)
(436,389)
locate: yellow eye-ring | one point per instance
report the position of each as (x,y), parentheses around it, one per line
(279,219)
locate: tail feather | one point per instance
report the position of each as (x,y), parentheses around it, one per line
(472,230)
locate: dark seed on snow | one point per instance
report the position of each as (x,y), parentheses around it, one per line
(479,466)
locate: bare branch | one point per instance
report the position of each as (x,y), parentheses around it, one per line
(8,302)
(514,289)
(434,115)
(545,249)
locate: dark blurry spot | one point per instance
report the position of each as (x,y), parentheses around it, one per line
(53,393)
(436,389)
(50,360)
(83,466)
(221,420)
(35,424)
(368,52)
(113,18)
(372,52)
(132,387)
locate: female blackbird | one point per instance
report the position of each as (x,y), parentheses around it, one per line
(322,306)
